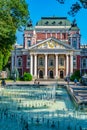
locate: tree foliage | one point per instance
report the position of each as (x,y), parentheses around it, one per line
(1,61)
(76,75)
(79,4)
(13,15)
(27,77)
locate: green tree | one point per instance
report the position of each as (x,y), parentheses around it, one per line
(76,75)
(13,16)
(27,76)
(1,61)
(79,4)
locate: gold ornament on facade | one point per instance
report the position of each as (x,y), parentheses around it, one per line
(61,67)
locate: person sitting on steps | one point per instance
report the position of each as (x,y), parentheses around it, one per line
(3,83)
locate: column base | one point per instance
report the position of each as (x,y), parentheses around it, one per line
(56,77)
(35,76)
(45,77)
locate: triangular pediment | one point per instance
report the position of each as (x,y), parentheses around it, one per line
(51,43)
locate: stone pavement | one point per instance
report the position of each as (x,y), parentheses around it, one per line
(40,82)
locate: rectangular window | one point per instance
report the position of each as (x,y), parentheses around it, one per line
(61,61)
(41,61)
(51,62)
(28,64)
(84,63)
(74,43)
(28,61)
(29,43)
(74,61)
(63,35)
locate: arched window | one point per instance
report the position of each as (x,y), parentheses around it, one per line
(19,62)
(51,74)
(84,63)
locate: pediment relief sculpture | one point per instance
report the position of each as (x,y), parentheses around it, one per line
(50,45)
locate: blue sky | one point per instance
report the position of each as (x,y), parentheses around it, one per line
(42,8)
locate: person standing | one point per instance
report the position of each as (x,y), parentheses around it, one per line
(75,81)
(68,80)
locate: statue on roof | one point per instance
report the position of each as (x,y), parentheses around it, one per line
(74,24)
(61,1)
(29,23)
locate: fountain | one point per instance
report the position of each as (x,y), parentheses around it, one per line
(30,107)
(54,92)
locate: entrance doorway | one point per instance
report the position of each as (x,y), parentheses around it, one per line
(61,74)
(40,74)
(51,74)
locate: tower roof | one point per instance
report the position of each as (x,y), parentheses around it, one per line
(29,25)
(53,21)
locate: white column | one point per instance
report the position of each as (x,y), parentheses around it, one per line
(71,64)
(67,65)
(31,64)
(56,67)
(35,65)
(45,66)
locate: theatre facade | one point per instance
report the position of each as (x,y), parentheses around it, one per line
(51,49)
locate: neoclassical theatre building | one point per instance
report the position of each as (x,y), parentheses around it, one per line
(51,49)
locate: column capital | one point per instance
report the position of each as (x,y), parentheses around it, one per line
(71,54)
(31,54)
(45,54)
(56,54)
(35,54)
(67,54)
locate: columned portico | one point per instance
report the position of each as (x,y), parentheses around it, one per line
(47,61)
(46,66)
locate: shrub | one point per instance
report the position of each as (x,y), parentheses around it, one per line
(27,77)
(76,75)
